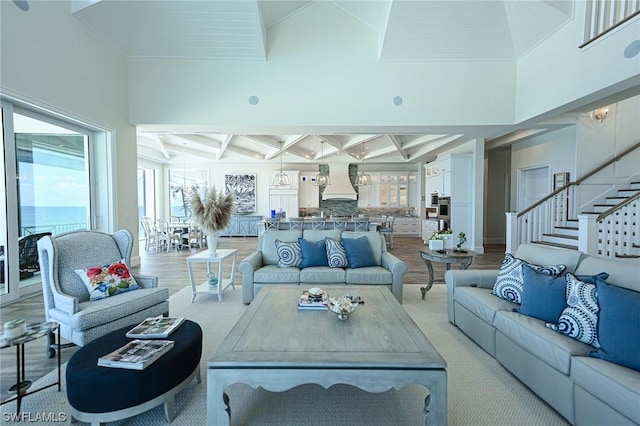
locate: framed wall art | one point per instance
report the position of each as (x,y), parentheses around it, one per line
(244,187)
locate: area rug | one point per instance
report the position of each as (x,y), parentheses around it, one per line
(480,391)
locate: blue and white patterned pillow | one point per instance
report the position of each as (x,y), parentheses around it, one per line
(510,279)
(289,253)
(580,318)
(336,254)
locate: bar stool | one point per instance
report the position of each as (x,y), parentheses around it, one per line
(273,224)
(317,223)
(360,223)
(296,223)
(387,231)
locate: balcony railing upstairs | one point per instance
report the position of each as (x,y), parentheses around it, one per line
(602,234)
(603,16)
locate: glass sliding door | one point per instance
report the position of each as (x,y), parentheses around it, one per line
(47,191)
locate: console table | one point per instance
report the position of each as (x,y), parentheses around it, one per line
(463,259)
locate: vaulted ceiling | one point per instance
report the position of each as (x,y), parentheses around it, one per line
(408,30)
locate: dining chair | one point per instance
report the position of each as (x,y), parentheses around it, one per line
(164,237)
(273,224)
(317,223)
(194,236)
(360,223)
(296,223)
(150,235)
(340,223)
(386,229)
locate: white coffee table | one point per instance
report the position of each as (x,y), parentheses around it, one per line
(209,258)
(377,348)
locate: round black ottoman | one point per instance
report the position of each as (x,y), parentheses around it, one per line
(103,394)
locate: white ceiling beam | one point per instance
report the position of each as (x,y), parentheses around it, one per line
(224,145)
(423,152)
(398,146)
(161,147)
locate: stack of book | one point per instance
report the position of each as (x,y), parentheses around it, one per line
(316,299)
(155,328)
(136,355)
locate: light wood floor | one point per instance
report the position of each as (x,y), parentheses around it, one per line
(171,267)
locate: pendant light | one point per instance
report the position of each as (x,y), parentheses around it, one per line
(281,179)
(362,179)
(322,178)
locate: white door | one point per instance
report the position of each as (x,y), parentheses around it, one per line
(535,184)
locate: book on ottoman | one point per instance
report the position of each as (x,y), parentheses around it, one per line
(155,328)
(136,355)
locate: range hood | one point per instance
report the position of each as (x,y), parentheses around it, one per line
(340,188)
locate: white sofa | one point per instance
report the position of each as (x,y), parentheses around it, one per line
(260,268)
(583,389)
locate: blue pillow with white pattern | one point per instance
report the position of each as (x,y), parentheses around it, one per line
(510,279)
(289,253)
(579,319)
(336,254)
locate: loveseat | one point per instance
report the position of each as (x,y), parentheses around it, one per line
(261,268)
(584,389)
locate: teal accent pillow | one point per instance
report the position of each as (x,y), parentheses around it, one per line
(579,319)
(289,254)
(313,254)
(618,325)
(336,254)
(359,252)
(543,296)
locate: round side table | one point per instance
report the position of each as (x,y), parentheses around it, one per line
(463,259)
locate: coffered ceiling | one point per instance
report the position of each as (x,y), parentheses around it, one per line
(408,30)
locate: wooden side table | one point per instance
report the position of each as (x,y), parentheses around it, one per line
(22,385)
(208,258)
(463,259)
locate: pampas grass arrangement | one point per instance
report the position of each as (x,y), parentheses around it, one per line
(212,214)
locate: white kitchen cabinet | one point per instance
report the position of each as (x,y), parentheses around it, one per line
(309,194)
(406,226)
(393,189)
(284,200)
(452,176)
(368,195)
(414,192)
(429,226)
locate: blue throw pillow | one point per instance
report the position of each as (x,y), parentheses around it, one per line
(313,254)
(336,254)
(289,254)
(618,325)
(359,252)
(579,319)
(543,296)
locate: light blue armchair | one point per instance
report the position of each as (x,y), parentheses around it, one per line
(66,298)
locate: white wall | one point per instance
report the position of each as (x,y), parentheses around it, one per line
(556,72)
(51,59)
(581,148)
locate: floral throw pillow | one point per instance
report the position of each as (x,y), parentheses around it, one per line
(289,253)
(580,318)
(107,280)
(510,280)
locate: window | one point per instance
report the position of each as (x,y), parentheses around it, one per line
(47,190)
(146,195)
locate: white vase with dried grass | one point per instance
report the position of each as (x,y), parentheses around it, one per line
(212,214)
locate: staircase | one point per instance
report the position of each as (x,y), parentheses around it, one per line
(609,227)
(567,235)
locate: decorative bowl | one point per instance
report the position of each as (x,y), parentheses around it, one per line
(343,303)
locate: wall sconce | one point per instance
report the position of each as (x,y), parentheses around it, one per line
(599,114)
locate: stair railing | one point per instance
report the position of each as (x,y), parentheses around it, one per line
(618,228)
(550,211)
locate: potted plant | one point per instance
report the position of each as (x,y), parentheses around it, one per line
(462,238)
(212,214)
